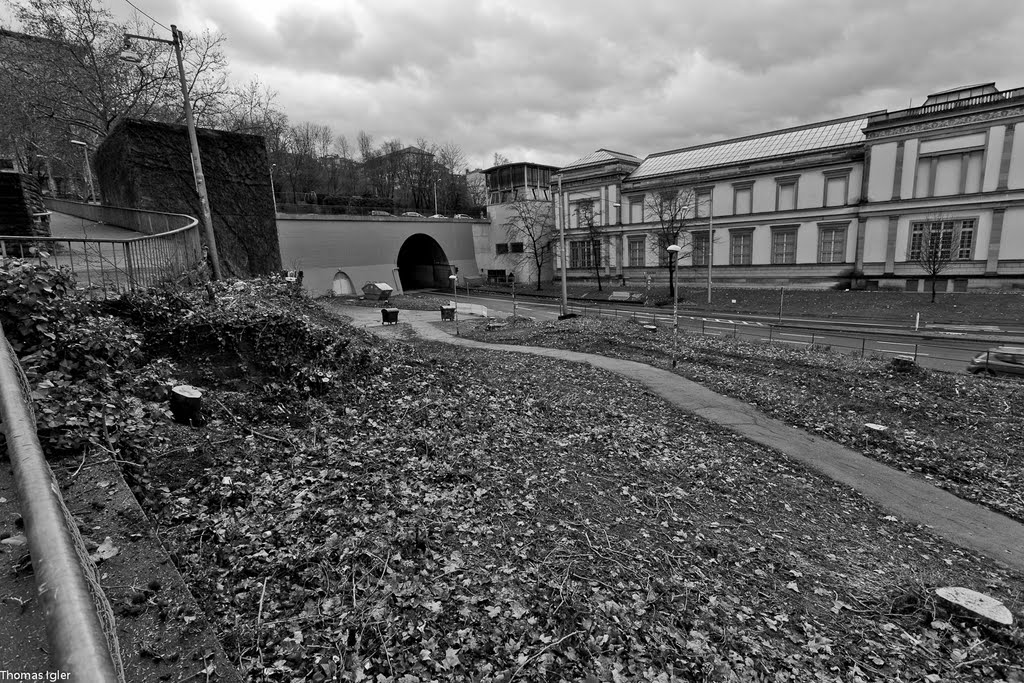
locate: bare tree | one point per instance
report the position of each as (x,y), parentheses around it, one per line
(588,219)
(75,76)
(531,223)
(500,159)
(935,243)
(451,187)
(670,211)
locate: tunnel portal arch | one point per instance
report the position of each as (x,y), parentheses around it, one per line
(422,263)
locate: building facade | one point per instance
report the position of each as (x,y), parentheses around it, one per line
(521,228)
(841,203)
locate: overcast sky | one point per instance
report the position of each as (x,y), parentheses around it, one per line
(552,80)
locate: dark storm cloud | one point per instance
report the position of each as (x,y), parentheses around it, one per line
(554,79)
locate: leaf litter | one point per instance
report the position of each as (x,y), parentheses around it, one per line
(486,516)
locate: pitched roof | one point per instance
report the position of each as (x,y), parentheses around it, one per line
(802,139)
(602,156)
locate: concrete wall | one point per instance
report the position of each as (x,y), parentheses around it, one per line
(365,248)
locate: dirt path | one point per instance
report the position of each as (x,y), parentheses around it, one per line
(914,500)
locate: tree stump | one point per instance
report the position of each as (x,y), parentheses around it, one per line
(186,404)
(978,604)
(903,364)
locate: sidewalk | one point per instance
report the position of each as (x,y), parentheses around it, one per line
(914,500)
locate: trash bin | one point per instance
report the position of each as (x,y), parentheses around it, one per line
(377,291)
(389,315)
(447,312)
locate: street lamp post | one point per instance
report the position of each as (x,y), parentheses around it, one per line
(455,291)
(88,170)
(562,254)
(711,237)
(49,174)
(197,164)
(674,250)
(273,195)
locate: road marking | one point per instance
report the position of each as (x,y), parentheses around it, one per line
(794,334)
(896,343)
(793,341)
(919,355)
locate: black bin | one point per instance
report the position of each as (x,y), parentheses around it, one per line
(447,313)
(389,315)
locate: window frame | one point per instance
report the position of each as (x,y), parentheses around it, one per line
(841,228)
(638,242)
(782,231)
(512,247)
(700,240)
(787,181)
(580,257)
(970,230)
(501,248)
(837,174)
(736,234)
(745,186)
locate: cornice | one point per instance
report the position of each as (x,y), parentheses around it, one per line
(946,122)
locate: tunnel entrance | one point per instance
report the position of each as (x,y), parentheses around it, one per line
(422,263)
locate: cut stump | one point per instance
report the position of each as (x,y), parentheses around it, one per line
(976,603)
(186,404)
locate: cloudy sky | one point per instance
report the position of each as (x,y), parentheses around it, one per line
(551,80)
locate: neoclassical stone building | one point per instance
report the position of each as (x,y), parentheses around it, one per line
(837,203)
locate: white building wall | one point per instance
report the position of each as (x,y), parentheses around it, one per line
(1016,179)
(993,155)
(909,169)
(876,232)
(882,173)
(1011,245)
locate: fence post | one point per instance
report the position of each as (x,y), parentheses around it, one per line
(863,342)
(915,353)
(771,328)
(128,265)
(812,337)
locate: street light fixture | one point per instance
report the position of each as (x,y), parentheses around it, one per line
(132,57)
(455,290)
(88,171)
(674,250)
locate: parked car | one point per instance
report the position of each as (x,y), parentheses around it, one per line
(1002,360)
(379,213)
(437,215)
(462,215)
(413,214)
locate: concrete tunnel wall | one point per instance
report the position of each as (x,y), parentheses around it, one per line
(365,247)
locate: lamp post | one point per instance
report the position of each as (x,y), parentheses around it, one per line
(273,195)
(88,171)
(197,165)
(49,174)
(561,231)
(711,237)
(673,250)
(455,290)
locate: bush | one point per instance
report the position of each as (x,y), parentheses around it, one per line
(31,299)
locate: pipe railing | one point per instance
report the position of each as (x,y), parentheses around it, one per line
(106,265)
(78,641)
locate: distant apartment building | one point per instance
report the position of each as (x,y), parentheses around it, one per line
(837,203)
(517,193)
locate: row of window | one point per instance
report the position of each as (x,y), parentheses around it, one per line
(947,240)
(508,248)
(836,192)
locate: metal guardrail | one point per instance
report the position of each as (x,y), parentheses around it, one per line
(114,265)
(79,643)
(923,353)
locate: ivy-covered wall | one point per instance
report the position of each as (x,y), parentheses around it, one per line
(148,165)
(19,199)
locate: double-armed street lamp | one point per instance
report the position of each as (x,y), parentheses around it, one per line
(673,250)
(455,291)
(197,165)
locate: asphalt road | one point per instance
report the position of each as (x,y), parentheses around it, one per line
(948,353)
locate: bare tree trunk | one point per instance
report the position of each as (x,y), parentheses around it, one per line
(933,288)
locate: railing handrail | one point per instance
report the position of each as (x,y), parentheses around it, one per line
(73,628)
(949,105)
(106,240)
